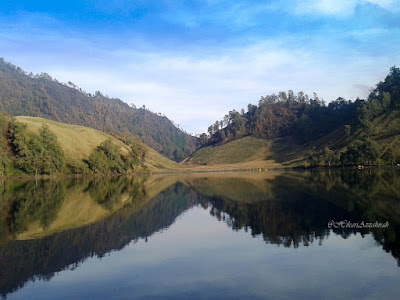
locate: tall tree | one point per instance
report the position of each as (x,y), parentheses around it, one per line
(53,156)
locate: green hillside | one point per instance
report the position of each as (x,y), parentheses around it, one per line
(23,94)
(287,152)
(243,150)
(250,152)
(78,142)
(296,130)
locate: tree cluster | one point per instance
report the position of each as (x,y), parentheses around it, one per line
(107,157)
(359,152)
(280,115)
(306,119)
(4,160)
(22,151)
(36,154)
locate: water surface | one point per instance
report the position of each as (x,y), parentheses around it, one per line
(237,235)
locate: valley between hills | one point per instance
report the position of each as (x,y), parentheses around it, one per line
(50,128)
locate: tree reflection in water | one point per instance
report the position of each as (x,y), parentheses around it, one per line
(286,208)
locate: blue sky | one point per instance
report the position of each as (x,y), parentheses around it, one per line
(196,60)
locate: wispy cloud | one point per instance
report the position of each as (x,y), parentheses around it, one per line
(195,61)
(195,90)
(340,8)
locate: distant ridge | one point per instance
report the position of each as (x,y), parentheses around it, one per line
(296,130)
(23,94)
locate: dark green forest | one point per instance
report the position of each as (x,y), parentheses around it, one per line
(23,94)
(306,119)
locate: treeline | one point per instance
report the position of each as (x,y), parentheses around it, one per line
(360,152)
(284,114)
(362,146)
(23,94)
(305,119)
(23,152)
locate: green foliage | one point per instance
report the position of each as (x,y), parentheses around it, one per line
(312,158)
(39,202)
(53,156)
(106,158)
(385,96)
(391,155)
(328,156)
(107,192)
(137,153)
(34,201)
(203,139)
(347,130)
(36,154)
(41,153)
(361,152)
(388,91)
(280,115)
(4,121)
(4,163)
(324,158)
(78,167)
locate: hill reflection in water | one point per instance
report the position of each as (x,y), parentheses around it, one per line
(52,225)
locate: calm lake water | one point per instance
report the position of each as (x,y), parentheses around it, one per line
(237,235)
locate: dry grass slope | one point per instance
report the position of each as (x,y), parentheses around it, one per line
(238,151)
(242,154)
(249,152)
(78,142)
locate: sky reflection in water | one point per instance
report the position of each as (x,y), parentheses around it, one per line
(179,243)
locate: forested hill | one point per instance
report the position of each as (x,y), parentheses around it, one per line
(23,94)
(342,132)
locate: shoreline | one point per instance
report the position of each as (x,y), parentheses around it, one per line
(192,170)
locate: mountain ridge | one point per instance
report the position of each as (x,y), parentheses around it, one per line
(297,130)
(41,96)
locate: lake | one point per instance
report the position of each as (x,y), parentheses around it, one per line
(269,235)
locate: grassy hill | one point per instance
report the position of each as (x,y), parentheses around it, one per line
(244,153)
(248,152)
(78,142)
(288,152)
(242,150)
(41,96)
(300,131)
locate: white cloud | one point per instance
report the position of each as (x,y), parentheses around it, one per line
(386,4)
(195,90)
(198,86)
(339,8)
(326,7)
